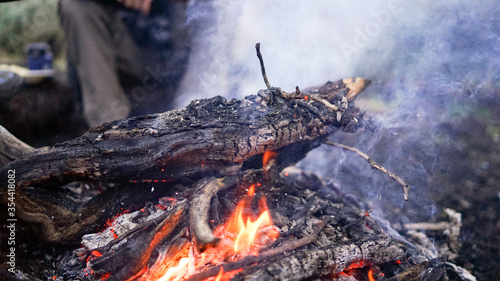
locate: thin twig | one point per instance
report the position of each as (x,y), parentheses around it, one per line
(404,185)
(428,226)
(325,102)
(262,68)
(299,95)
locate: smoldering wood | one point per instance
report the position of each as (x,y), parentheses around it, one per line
(323,261)
(200,207)
(433,269)
(135,246)
(216,132)
(306,263)
(322,232)
(313,238)
(212,137)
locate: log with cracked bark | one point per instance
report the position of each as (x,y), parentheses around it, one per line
(211,137)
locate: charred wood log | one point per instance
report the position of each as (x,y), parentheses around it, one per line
(304,264)
(212,137)
(135,248)
(320,262)
(199,211)
(218,133)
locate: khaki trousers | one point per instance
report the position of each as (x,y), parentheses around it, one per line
(102,49)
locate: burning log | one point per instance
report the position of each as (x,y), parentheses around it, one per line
(317,237)
(140,241)
(215,137)
(198,216)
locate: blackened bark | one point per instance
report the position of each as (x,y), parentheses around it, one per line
(211,137)
(214,135)
(304,264)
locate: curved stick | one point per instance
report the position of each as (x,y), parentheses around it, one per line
(375,165)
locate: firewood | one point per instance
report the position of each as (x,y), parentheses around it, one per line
(200,206)
(11,148)
(323,236)
(141,240)
(214,137)
(300,265)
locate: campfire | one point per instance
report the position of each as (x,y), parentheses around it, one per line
(210,192)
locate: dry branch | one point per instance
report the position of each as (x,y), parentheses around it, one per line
(11,148)
(199,210)
(294,245)
(375,165)
(141,242)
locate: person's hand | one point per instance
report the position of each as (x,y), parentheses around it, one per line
(141,5)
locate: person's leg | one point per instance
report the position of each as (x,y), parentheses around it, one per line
(90,30)
(132,66)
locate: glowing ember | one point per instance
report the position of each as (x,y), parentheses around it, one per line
(242,235)
(354,268)
(267,159)
(370,275)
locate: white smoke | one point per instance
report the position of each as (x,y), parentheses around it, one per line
(303,43)
(429,61)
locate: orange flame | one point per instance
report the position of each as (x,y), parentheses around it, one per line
(240,236)
(268,156)
(176,270)
(219,276)
(251,190)
(370,275)
(247,230)
(266,161)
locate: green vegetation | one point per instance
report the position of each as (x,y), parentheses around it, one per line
(24,22)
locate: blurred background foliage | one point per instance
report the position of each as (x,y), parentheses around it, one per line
(24,22)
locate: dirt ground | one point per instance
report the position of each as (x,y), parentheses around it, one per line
(473,182)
